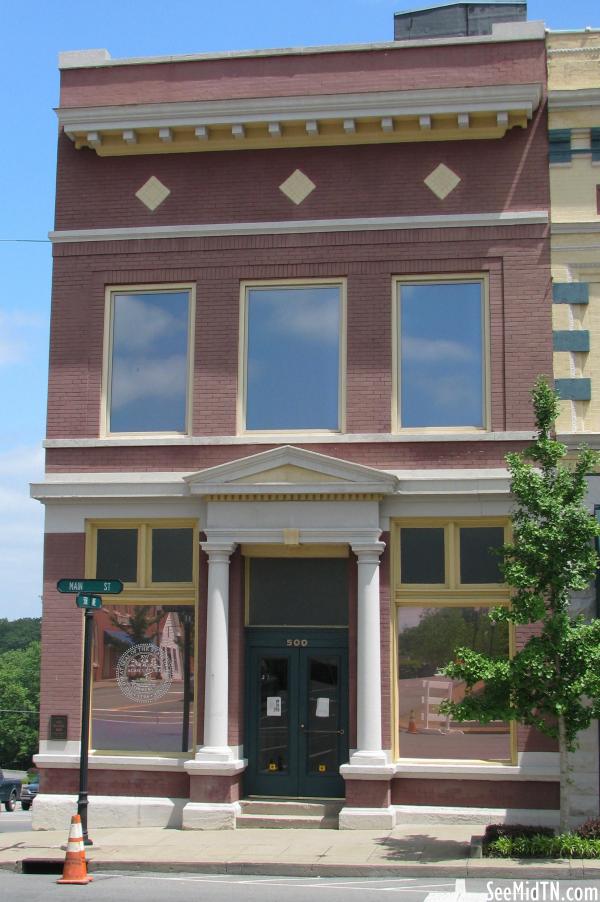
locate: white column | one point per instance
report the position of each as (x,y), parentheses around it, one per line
(216,687)
(368,683)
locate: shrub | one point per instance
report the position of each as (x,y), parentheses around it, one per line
(495,831)
(565,845)
(590,829)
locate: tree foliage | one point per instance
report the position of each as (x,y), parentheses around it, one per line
(19,705)
(553,681)
(19,633)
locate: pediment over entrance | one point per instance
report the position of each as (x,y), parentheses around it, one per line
(291,471)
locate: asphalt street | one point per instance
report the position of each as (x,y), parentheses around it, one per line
(215,888)
(15,822)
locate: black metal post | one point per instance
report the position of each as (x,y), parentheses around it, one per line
(82,802)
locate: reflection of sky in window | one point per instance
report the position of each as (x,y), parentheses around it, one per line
(441,355)
(293,358)
(149,362)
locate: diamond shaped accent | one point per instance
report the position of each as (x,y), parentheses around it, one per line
(297,187)
(153,193)
(442,181)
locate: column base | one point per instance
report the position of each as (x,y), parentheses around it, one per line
(367,818)
(221,761)
(210,815)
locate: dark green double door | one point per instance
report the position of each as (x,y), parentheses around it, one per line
(297,712)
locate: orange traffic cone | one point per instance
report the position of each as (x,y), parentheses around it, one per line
(412,726)
(75,869)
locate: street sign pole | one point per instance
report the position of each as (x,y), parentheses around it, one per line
(89,601)
(82,802)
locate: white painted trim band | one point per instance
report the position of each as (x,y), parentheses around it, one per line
(307,438)
(292,227)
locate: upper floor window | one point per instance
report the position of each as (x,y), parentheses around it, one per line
(441,351)
(292,338)
(148,359)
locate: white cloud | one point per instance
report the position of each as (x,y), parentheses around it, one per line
(312,318)
(21,533)
(140,324)
(437,350)
(145,379)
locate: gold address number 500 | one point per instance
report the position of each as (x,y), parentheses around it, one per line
(296,643)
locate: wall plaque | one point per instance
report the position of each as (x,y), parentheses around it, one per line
(58,726)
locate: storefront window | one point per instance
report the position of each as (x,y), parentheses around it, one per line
(447,580)
(427,640)
(143,678)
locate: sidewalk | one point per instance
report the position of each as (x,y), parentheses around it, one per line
(418,851)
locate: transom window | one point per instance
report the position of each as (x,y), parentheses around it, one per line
(148,359)
(147,556)
(293,355)
(446,581)
(441,359)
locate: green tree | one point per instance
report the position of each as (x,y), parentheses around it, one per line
(19,633)
(553,682)
(19,705)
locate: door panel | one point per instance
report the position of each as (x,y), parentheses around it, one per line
(297,704)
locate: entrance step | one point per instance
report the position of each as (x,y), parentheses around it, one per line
(284,814)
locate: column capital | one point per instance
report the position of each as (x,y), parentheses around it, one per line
(218,552)
(368,553)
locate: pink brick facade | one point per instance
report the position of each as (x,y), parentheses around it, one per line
(501,176)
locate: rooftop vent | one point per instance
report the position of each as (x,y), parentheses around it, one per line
(456,19)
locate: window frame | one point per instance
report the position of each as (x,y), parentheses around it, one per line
(480,278)
(145,593)
(143,589)
(107,354)
(242,391)
(452,594)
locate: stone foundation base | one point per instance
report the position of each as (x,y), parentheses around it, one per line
(367,818)
(210,816)
(53,812)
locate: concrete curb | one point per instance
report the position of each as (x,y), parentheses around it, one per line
(573,870)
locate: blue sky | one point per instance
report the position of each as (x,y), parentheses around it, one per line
(33,34)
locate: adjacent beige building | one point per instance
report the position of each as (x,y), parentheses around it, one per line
(574,132)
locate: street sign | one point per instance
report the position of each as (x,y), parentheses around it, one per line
(92,602)
(90,586)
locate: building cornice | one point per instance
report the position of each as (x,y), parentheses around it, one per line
(101,58)
(455,113)
(574,99)
(306,226)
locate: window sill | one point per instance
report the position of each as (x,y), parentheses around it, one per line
(100,761)
(303,438)
(472,770)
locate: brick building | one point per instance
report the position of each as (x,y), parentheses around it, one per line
(300,298)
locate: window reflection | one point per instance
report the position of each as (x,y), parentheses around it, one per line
(143,678)
(441,354)
(293,357)
(148,385)
(427,639)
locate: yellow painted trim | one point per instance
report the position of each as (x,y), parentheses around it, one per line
(242,391)
(320,551)
(144,589)
(482,126)
(153,288)
(303,496)
(483,279)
